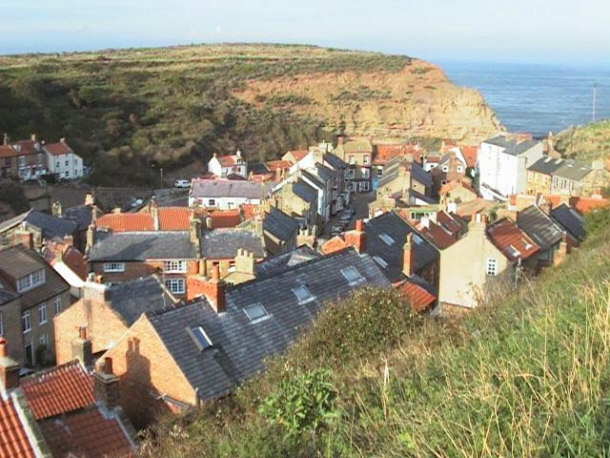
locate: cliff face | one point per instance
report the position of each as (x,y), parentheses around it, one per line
(417,100)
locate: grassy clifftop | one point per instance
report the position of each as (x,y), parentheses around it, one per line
(526,375)
(587,143)
(124,109)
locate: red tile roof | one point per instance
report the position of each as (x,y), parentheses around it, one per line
(470,153)
(249,210)
(386,152)
(87,433)
(448,187)
(449,223)
(174,218)
(7,151)
(512,241)
(299,154)
(58,390)
(583,204)
(126,222)
(225,218)
(337,243)
(275,165)
(227,161)
(71,257)
(13,438)
(418,297)
(57,149)
(439,237)
(27,146)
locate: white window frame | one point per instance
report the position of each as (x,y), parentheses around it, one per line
(26,319)
(175,285)
(260,318)
(42,313)
(31,281)
(175,266)
(305,292)
(352,271)
(491,267)
(57,305)
(112,267)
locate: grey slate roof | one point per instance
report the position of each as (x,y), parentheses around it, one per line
(140,246)
(229,188)
(334,161)
(570,220)
(305,191)
(511,145)
(257,168)
(132,298)
(313,179)
(419,174)
(280,225)
(49,225)
(324,173)
(282,262)
(546,165)
(397,228)
(573,170)
(239,346)
(81,215)
(224,243)
(540,227)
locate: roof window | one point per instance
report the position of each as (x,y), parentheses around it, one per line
(303,294)
(379,260)
(352,276)
(386,238)
(201,339)
(256,312)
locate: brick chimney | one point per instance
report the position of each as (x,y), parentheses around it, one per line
(357,237)
(106,388)
(56,209)
(90,237)
(82,348)
(9,369)
(154,213)
(25,238)
(212,289)
(89,199)
(244,261)
(408,256)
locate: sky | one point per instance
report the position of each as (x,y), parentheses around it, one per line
(548,31)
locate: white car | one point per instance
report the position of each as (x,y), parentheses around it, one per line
(182,184)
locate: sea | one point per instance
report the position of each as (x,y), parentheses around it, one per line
(537,98)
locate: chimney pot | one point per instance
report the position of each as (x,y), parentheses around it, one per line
(106,386)
(82,347)
(3,347)
(359,225)
(108,366)
(216,273)
(408,260)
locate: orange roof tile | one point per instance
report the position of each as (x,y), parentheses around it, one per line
(7,151)
(225,218)
(27,146)
(58,390)
(249,210)
(57,149)
(227,161)
(440,237)
(448,187)
(299,154)
(582,204)
(126,222)
(87,433)
(14,441)
(512,241)
(174,218)
(470,153)
(418,297)
(386,152)
(275,165)
(337,243)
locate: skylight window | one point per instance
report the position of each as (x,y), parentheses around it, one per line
(417,239)
(387,239)
(352,276)
(256,312)
(303,294)
(513,251)
(201,339)
(379,260)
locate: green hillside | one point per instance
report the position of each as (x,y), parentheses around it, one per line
(586,143)
(526,375)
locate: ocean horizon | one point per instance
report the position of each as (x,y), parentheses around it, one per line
(537,98)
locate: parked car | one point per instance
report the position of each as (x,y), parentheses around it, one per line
(182,184)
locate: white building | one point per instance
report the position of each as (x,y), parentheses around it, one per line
(227,194)
(223,166)
(503,163)
(62,161)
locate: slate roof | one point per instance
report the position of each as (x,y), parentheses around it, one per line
(140,246)
(545,165)
(278,264)
(229,188)
(224,243)
(81,215)
(313,179)
(132,298)
(335,161)
(239,346)
(324,173)
(305,191)
(257,168)
(14,440)
(511,145)
(397,228)
(420,175)
(17,261)
(58,390)
(570,220)
(280,225)
(540,227)
(49,225)
(573,170)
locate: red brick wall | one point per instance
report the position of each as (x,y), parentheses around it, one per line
(143,364)
(104,328)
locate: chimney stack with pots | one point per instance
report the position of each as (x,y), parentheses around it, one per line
(106,388)
(408,257)
(9,369)
(357,237)
(82,347)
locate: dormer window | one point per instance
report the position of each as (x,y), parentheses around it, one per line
(200,338)
(174,266)
(303,294)
(352,276)
(30,281)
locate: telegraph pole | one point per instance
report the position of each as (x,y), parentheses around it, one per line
(594,101)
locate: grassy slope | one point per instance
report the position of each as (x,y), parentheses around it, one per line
(587,143)
(526,376)
(123,109)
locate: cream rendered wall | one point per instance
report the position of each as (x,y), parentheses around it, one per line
(463,267)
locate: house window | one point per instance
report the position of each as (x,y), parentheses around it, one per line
(379,172)
(174,266)
(491,267)
(352,276)
(42,314)
(30,281)
(57,305)
(201,339)
(67,163)
(114,267)
(256,312)
(460,168)
(175,285)
(445,168)
(365,160)
(26,324)
(43,338)
(303,294)
(211,202)
(58,164)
